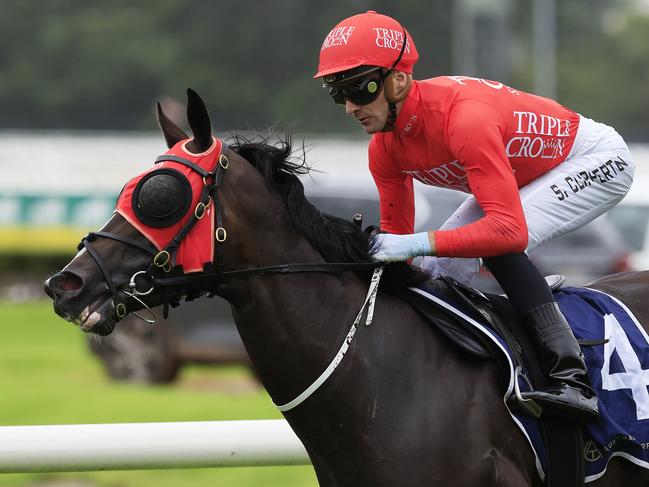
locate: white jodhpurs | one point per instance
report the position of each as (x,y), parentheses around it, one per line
(595,176)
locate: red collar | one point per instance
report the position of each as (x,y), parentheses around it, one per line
(409,120)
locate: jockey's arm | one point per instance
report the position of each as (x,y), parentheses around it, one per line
(396,193)
(475,139)
(397,205)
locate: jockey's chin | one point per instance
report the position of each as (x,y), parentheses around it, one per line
(372,117)
(371,125)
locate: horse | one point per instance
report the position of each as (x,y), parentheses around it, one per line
(403,407)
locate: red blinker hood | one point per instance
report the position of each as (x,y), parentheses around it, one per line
(197,248)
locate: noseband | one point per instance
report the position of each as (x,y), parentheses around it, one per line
(160,274)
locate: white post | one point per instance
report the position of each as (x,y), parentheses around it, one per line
(85,447)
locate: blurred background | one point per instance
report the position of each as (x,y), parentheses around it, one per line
(78,83)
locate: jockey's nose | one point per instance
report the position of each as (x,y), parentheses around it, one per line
(351,107)
(65,284)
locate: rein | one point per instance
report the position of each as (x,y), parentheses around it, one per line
(370,300)
(325,267)
(161,260)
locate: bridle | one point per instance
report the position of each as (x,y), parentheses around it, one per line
(161,275)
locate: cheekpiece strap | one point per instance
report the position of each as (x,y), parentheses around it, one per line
(209,191)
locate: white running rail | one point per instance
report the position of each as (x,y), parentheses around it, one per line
(129,446)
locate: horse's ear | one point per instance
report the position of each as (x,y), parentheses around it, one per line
(173,134)
(199,121)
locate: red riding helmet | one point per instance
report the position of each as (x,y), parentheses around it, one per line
(369,39)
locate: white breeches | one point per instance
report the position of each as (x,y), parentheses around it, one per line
(595,176)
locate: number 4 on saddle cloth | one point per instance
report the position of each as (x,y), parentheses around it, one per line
(616,350)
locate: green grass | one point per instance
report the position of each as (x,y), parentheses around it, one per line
(48,376)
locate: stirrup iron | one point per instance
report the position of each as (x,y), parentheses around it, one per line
(528,406)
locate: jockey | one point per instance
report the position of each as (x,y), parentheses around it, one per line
(534,169)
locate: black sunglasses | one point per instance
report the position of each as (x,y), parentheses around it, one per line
(362,92)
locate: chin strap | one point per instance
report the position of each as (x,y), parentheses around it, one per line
(392,117)
(392,107)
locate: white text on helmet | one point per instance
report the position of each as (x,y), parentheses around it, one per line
(337,37)
(390,39)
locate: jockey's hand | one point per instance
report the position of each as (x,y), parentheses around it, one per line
(397,248)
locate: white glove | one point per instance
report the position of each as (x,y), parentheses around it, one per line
(397,248)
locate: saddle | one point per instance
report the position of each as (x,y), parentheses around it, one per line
(563,440)
(492,309)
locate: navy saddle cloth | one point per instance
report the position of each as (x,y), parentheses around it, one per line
(618,370)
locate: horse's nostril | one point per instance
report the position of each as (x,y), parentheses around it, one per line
(70,282)
(63,284)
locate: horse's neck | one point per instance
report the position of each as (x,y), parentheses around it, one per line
(293,325)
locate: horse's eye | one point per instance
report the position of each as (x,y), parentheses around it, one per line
(162,198)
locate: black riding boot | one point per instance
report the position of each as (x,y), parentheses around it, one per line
(569,392)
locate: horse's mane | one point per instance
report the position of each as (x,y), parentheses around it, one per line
(338,240)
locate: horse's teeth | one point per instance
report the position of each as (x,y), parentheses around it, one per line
(84,314)
(91,321)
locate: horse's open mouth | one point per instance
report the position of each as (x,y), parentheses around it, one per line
(98,317)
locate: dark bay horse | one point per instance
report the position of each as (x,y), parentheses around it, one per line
(403,407)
